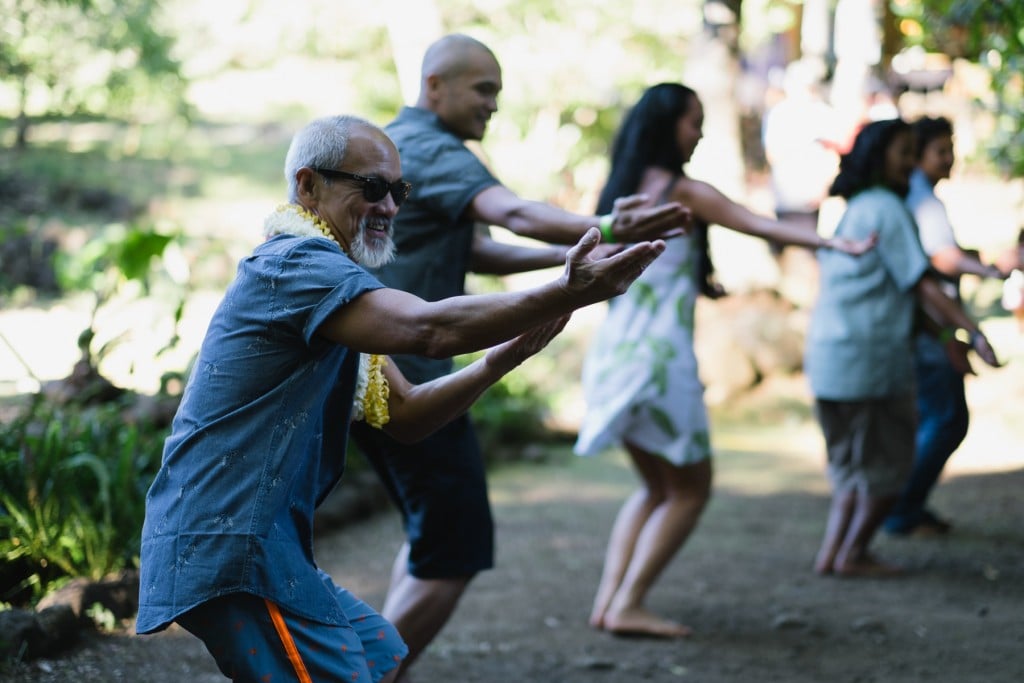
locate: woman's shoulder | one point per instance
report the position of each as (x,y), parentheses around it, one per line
(684,187)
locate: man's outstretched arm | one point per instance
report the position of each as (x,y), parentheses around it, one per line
(633,222)
(389,321)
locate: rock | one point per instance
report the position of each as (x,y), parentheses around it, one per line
(21,635)
(357,496)
(743,339)
(867,625)
(28,635)
(595,663)
(61,629)
(788,621)
(119,595)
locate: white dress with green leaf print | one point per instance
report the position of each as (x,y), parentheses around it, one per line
(640,376)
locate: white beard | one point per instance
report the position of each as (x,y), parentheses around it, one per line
(373,256)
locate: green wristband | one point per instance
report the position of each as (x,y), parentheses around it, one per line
(945,335)
(605,224)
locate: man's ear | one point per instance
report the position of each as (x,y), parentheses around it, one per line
(432,87)
(305,179)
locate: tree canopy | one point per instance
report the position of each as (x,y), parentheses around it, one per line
(989,33)
(88,57)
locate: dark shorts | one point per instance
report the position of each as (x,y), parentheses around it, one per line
(440,487)
(870,443)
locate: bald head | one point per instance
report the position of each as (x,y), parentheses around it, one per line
(451,55)
(461,80)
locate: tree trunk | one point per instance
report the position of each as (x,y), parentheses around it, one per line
(412,27)
(858,51)
(712,69)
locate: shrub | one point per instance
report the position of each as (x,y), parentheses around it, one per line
(73,482)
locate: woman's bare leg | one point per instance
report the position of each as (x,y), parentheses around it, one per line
(839,515)
(632,516)
(675,497)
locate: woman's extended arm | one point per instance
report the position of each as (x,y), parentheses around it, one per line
(711,206)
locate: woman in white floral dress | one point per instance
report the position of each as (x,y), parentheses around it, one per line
(640,377)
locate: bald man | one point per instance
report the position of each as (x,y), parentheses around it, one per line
(438,484)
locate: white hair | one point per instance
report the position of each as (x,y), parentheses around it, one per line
(321,144)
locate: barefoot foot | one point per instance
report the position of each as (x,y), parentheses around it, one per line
(868,567)
(640,622)
(823,567)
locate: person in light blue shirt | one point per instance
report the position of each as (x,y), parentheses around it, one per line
(858,356)
(295,351)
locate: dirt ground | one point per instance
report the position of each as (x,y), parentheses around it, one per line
(743,582)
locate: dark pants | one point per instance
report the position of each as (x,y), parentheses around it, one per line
(942,426)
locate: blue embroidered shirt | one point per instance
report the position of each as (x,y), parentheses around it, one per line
(257,443)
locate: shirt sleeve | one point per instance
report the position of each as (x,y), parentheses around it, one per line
(313,279)
(933,225)
(449,177)
(898,243)
(899,249)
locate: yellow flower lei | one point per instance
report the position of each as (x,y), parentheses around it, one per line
(372,401)
(371,396)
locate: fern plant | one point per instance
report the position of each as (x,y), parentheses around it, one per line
(72,493)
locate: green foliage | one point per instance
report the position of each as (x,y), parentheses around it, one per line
(89,56)
(102,617)
(117,255)
(570,70)
(990,33)
(510,415)
(516,411)
(72,491)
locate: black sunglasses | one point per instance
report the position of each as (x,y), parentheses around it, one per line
(375,188)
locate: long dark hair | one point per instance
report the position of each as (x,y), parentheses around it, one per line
(864,165)
(646,138)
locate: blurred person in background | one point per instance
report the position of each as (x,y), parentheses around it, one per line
(800,136)
(939,359)
(859,352)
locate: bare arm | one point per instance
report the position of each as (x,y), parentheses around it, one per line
(947,313)
(492,257)
(953,261)
(713,207)
(389,321)
(416,410)
(497,205)
(499,258)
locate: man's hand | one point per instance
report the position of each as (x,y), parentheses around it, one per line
(596,279)
(980,344)
(509,355)
(636,222)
